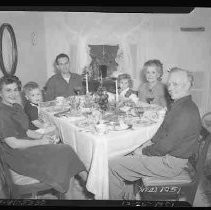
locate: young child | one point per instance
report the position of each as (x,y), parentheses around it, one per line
(125,88)
(33,96)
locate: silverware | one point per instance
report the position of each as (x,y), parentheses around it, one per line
(84,131)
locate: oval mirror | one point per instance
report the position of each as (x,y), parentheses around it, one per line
(8,50)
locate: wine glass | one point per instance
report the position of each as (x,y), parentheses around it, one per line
(77,90)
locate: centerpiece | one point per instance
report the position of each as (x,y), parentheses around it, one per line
(101,98)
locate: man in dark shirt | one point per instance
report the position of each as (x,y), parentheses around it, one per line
(63,83)
(167,153)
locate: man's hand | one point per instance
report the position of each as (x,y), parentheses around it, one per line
(138,151)
(128,193)
(147,143)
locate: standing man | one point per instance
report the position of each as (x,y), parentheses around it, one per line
(167,153)
(64,83)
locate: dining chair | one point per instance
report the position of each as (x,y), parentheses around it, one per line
(17,186)
(180,188)
(206,121)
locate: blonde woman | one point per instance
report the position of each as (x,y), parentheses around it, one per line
(153,91)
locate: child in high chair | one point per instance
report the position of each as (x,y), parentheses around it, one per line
(125,88)
(33,95)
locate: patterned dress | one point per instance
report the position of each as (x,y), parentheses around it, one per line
(155,95)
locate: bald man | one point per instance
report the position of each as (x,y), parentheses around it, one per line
(167,153)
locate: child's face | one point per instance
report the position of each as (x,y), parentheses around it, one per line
(152,74)
(35,96)
(124,84)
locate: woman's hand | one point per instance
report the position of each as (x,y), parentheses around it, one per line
(33,134)
(25,143)
(137,151)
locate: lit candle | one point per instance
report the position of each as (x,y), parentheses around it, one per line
(101,78)
(117,98)
(87,88)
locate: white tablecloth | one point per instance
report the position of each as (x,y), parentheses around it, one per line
(95,150)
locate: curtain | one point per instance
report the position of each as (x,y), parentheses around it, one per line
(123,55)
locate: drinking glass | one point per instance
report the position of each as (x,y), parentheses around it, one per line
(77,90)
(149,100)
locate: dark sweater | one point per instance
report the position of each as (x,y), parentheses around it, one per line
(57,86)
(179,132)
(32,112)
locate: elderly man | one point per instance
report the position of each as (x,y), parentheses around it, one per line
(167,153)
(64,83)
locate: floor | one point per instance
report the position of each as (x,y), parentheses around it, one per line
(202,198)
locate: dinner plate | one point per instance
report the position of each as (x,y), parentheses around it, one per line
(119,128)
(110,118)
(144,123)
(56,109)
(125,108)
(48,104)
(83,124)
(86,110)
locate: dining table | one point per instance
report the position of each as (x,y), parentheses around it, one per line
(96,149)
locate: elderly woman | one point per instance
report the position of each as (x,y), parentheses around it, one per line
(27,152)
(153,91)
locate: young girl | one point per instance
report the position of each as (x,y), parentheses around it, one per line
(33,94)
(125,88)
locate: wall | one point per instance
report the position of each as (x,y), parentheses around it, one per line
(141,36)
(161,38)
(73,32)
(31,58)
(59,39)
